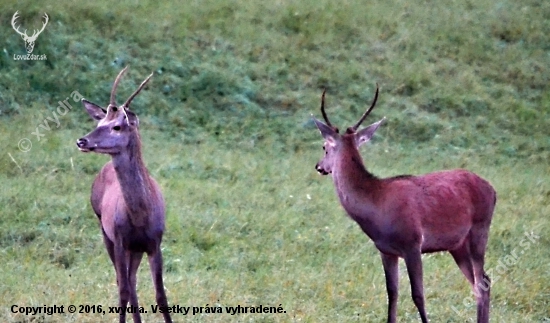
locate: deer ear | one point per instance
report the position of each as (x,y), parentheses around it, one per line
(327,132)
(94,110)
(364,135)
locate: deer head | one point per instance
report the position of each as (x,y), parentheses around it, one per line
(117,125)
(29,40)
(336,143)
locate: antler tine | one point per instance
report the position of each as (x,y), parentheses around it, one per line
(15,27)
(15,16)
(115,85)
(368,111)
(45,23)
(37,32)
(323,108)
(127,103)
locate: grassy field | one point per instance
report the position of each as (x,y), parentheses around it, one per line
(227,133)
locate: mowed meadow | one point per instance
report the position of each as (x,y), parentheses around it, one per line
(227,132)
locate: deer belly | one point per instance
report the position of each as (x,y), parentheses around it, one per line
(441,241)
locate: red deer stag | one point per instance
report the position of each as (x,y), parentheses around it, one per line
(126,199)
(406,216)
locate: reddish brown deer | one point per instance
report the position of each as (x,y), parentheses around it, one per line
(126,199)
(407,215)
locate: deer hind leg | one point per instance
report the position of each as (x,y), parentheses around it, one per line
(391,271)
(133,260)
(463,259)
(155,263)
(482,287)
(413,260)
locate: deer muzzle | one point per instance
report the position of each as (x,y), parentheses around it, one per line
(82,144)
(321,170)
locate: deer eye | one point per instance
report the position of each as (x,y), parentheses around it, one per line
(114,109)
(116,128)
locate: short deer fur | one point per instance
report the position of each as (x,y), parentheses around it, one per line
(126,199)
(406,216)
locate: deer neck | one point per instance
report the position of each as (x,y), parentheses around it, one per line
(357,189)
(135,183)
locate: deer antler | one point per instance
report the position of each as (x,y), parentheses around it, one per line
(112,102)
(24,34)
(36,32)
(15,16)
(323,108)
(127,103)
(354,128)
(324,113)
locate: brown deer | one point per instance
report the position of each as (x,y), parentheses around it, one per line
(126,199)
(407,215)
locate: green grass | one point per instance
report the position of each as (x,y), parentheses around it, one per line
(227,133)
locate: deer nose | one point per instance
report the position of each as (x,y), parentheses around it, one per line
(81,142)
(320,170)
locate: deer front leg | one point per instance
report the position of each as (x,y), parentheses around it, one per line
(391,271)
(413,260)
(155,263)
(121,268)
(109,245)
(134,259)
